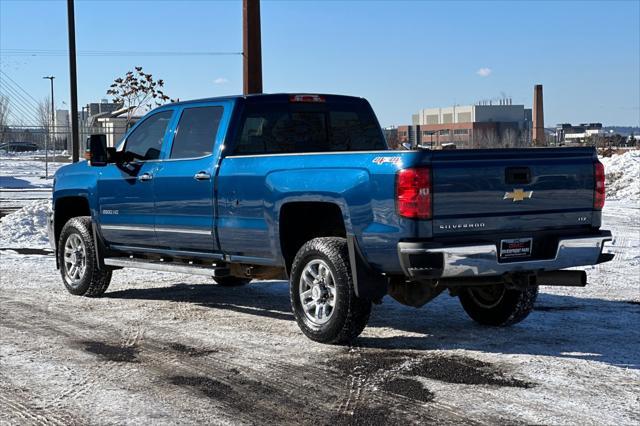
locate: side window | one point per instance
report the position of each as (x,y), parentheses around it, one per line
(256,135)
(145,143)
(287,127)
(196,132)
(281,131)
(354,131)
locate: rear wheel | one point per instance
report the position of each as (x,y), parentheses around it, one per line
(498,306)
(78,260)
(231,281)
(322,296)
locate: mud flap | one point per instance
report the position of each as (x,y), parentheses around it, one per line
(368,284)
(99,246)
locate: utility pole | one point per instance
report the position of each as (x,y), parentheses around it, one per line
(53,129)
(73,80)
(251,47)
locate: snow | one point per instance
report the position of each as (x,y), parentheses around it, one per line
(26,170)
(27,227)
(622,172)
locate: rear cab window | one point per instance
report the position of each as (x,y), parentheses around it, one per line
(284,126)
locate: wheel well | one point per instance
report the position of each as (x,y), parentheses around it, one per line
(65,209)
(303,221)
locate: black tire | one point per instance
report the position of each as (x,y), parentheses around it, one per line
(498,306)
(92,282)
(231,281)
(349,314)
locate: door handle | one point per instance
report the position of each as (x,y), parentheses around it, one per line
(202,176)
(145,177)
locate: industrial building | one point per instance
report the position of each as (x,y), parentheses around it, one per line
(487,124)
(471,126)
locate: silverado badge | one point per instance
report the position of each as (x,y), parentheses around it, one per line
(517,195)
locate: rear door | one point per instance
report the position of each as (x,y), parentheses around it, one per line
(184,187)
(125,191)
(512,190)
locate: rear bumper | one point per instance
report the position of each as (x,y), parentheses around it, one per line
(423,260)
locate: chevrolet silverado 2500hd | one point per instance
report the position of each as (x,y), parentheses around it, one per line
(304,187)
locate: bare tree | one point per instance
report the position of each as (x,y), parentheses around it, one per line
(4,116)
(488,139)
(509,138)
(138,90)
(44,115)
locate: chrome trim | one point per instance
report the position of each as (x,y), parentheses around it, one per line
(127,228)
(287,154)
(202,176)
(156,229)
(482,260)
(185,231)
(167,267)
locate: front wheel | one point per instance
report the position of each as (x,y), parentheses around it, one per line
(322,295)
(78,260)
(498,306)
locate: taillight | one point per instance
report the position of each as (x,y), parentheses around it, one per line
(413,193)
(599,193)
(306,98)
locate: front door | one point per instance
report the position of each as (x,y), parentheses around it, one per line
(184,183)
(126,191)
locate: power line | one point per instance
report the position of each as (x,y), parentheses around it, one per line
(20,87)
(21,108)
(18,110)
(18,122)
(17,97)
(18,101)
(60,52)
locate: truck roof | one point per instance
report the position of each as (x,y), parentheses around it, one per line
(263,97)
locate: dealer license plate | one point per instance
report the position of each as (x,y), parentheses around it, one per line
(520,247)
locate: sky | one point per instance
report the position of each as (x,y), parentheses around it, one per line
(401,55)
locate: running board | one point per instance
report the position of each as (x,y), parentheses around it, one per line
(155,265)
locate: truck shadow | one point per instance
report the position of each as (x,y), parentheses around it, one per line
(561,326)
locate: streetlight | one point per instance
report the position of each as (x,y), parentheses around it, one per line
(53,128)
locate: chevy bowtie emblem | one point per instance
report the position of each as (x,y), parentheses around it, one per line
(517,195)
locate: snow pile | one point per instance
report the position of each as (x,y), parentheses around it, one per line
(26,227)
(623,175)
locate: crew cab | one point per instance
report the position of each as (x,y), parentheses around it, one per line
(303,187)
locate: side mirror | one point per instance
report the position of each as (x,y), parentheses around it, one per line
(97,151)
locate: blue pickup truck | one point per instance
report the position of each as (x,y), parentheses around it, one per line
(303,187)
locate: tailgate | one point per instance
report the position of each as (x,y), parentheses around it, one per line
(512,190)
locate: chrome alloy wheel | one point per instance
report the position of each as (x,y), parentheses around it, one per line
(317,292)
(75,259)
(487,296)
